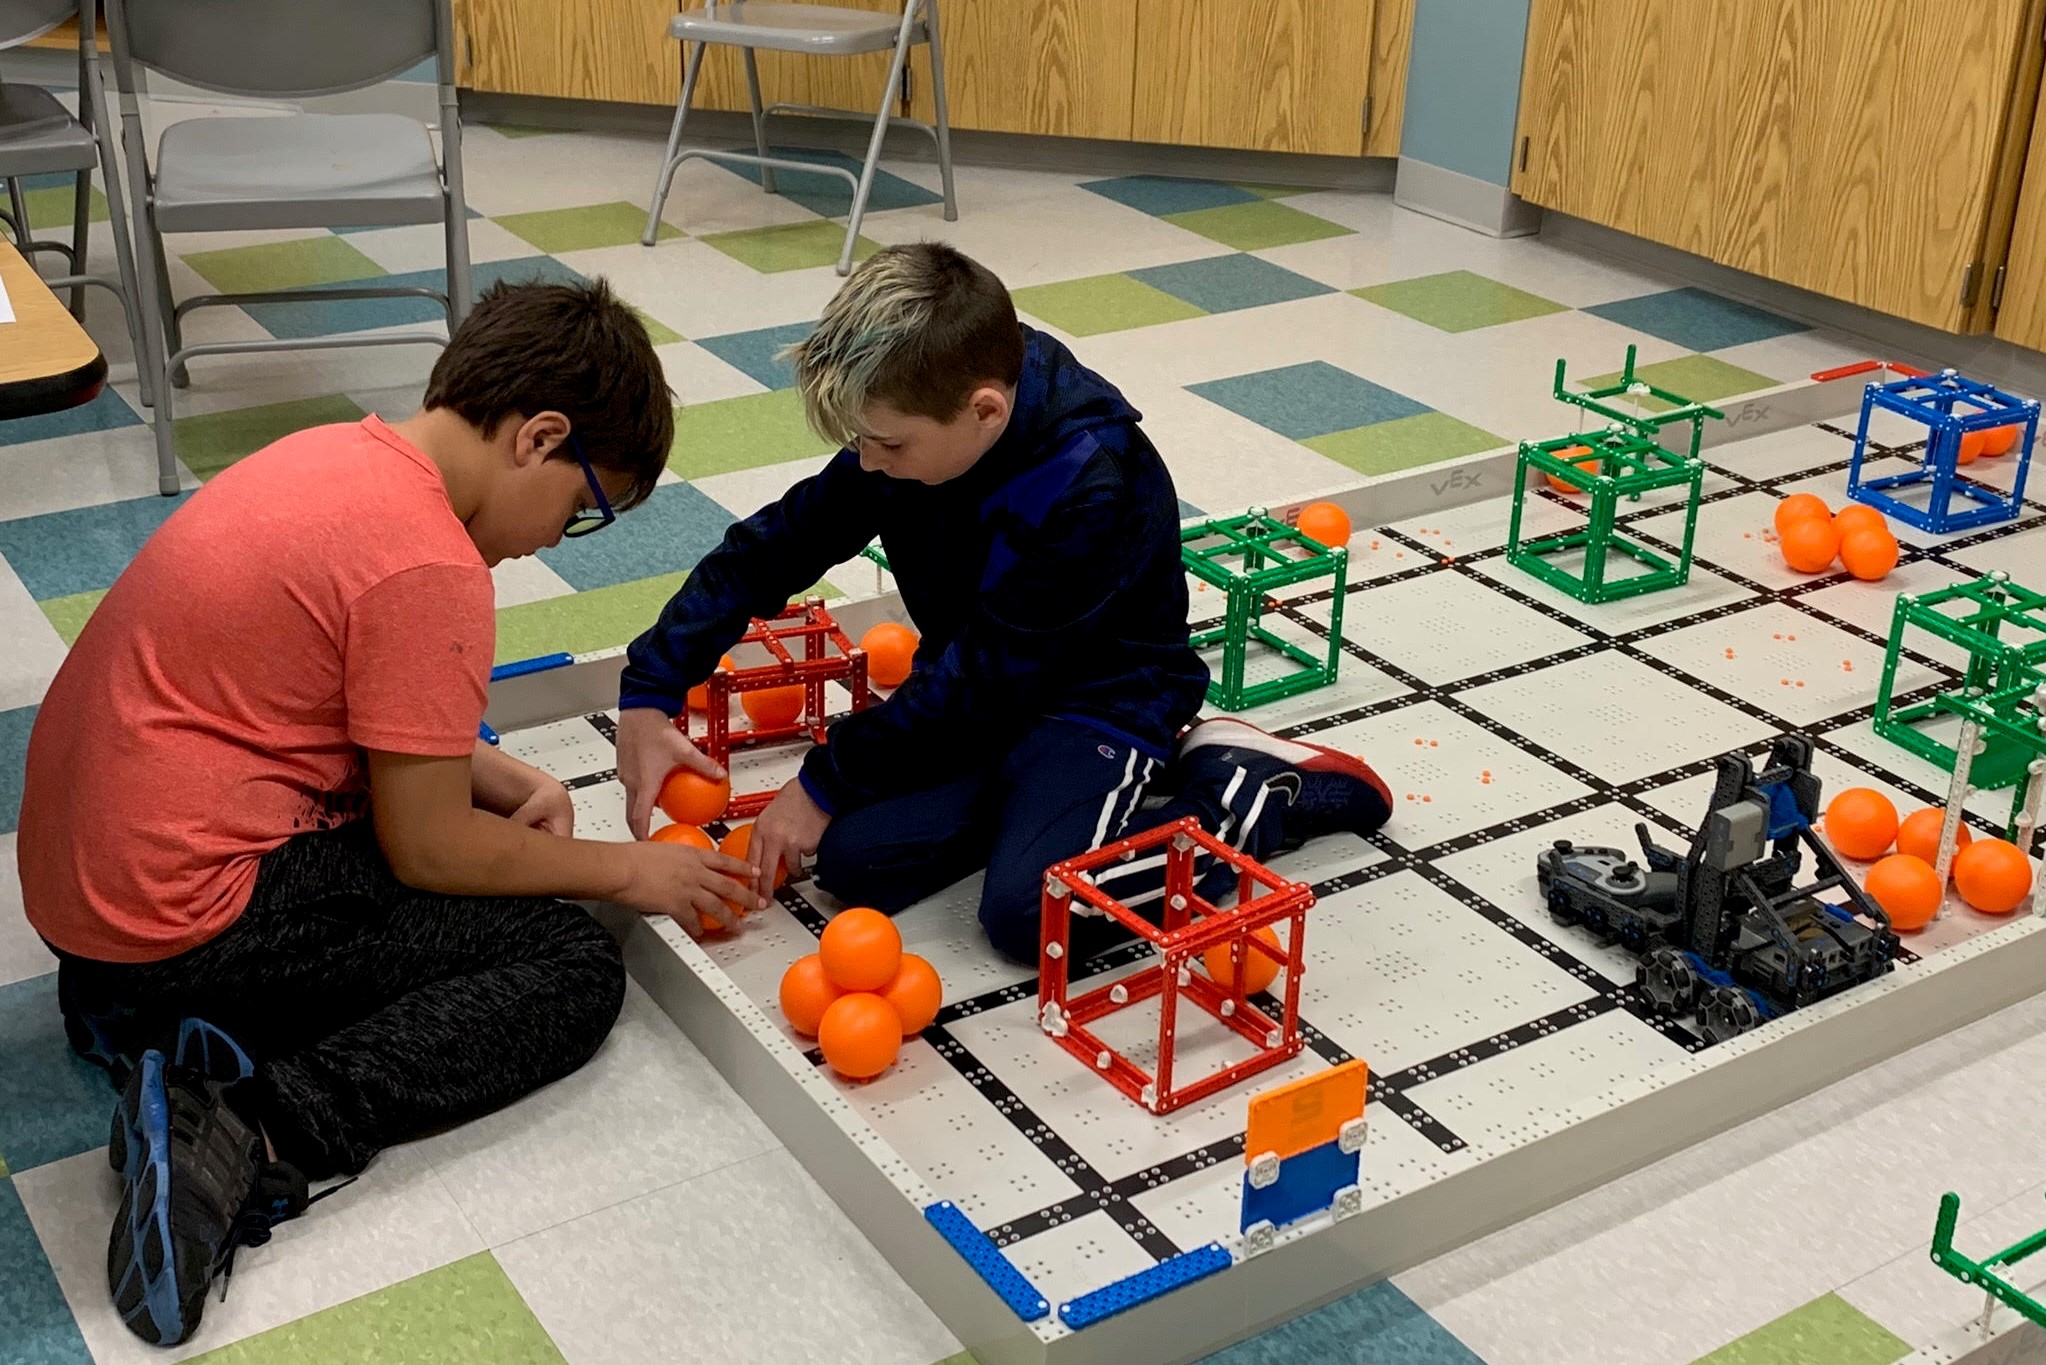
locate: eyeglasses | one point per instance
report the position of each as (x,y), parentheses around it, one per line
(596,519)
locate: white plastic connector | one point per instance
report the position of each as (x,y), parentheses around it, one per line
(1054,951)
(1228,1010)
(1102,1059)
(1349,1202)
(1350,1139)
(1119,994)
(1264,1170)
(1258,1237)
(1149,1095)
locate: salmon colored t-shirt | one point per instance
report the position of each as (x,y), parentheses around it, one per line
(317,599)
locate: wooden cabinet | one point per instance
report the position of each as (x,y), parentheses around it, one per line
(1269,75)
(2022,318)
(1065,68)
(1856,148)
(571,49)
(1275,75)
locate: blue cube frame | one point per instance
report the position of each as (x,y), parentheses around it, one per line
(1932,400)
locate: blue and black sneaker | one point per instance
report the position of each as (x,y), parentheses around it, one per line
(1327,791)
(194,1184)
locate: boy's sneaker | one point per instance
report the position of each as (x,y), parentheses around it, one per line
(194,1184)
(1337,792)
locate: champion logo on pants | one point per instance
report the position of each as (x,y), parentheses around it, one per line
(1104,751)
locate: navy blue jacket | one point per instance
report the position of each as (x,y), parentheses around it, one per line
(1046,581)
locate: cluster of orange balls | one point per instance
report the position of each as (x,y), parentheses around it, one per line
(692,801)
(890,649)
(1811,536)
(859,995)
(1992,875)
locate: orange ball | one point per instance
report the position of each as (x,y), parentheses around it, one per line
(1797,507)
(1571,453)
(806,993)
(690,799)
(773,706)
(861,1035)
(862,950)
(1259,971)
(1972,445)
(1869,552)
(891,650)
(1861,823)
(739,843)
(1856,515)
(2001,440)
(1325,522)
(1907,888)
(915,993)
(699,695)
(1993,875)
(1919,834)
(688,835)
(1809,544)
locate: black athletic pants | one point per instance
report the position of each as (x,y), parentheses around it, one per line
(375,1013)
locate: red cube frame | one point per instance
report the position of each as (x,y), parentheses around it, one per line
(828,656)
(1190,927)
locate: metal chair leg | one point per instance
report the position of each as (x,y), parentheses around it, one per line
(668,162)
(759,120)
(866,185)
(133,310)
(942,117)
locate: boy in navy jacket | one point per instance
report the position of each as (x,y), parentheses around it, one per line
(1034,534)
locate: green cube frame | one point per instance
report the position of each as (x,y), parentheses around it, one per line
(1260,542)
(1631,461)
(2001,688)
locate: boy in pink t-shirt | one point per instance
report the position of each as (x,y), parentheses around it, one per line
(255,798)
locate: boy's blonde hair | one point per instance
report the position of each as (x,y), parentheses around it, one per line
(917,327)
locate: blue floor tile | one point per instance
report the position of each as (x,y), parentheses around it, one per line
(53,1103)
(673,529)
(14,728)
(1377,1325)
(753,353)
(103,413)
(1305,401)
(1187,511)
(296,321)
(1696,319)
(36,1327)
(82,549)
(1160,195)
(827,195)
(1224,284)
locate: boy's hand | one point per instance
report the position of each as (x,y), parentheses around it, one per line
(649,748)
(787,832)
(548,809)
(691,886)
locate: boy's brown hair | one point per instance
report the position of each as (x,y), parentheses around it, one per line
(917,327)
(575,349)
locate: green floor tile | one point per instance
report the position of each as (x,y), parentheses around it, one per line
(467,1313)
(1700,378)
(210,442)
(793,246)
(1103,303)
(1275,191)
(1404,443)
(659,332)
(581,229)
(601,618)
(1828,1330)
(1459,301)
(295,264)
(743,433)
(50,211)
(1253,227)
(68,615)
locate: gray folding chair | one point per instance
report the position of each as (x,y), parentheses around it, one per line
(288,171)
(816,30)
(39,136)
